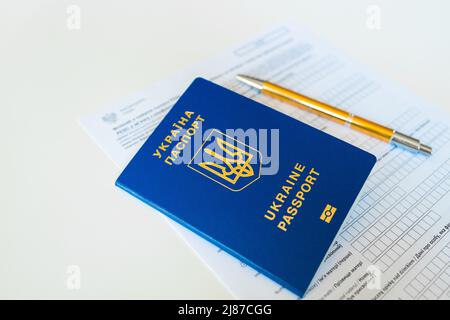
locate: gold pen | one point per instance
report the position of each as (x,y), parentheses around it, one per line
(340,116)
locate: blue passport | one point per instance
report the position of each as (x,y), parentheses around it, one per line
(267,189)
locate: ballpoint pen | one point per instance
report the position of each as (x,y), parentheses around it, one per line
(338,115)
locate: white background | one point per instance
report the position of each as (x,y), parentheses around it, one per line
(59,206)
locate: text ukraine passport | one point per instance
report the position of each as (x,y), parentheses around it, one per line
(268,189)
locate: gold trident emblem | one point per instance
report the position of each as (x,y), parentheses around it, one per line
(236,162)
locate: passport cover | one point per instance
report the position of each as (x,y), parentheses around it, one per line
(280,223)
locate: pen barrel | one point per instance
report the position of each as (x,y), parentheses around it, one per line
(332,113)
(371,128)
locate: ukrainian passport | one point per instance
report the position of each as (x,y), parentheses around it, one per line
(268,189)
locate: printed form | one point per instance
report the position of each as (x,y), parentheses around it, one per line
(395,241)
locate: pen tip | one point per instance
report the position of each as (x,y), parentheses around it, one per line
(253,82)
(425,149)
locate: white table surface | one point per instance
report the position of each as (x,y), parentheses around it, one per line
(59,206)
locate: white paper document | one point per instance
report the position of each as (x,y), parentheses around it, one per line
(395,241)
